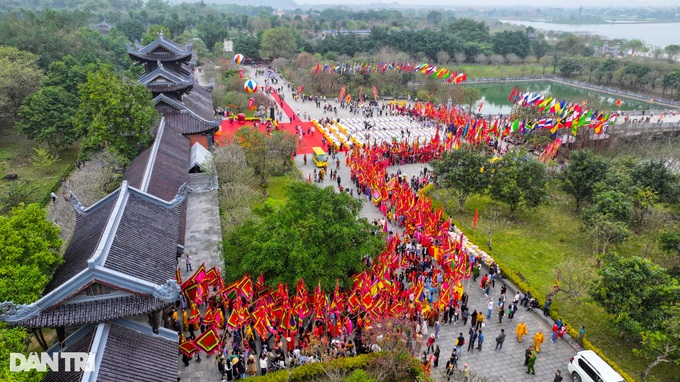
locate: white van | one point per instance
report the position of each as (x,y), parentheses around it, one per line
(587,366)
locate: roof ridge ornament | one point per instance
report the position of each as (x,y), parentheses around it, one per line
(182,193)
(75,203)
(11,312)
(167,291)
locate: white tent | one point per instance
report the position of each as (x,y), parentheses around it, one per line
(200,156)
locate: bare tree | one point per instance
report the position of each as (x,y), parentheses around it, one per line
(481,58)
(460,57)
(280,62)
(494,222)
(529,60)
(497,59)
(443,57)
(575,277)
(513,59)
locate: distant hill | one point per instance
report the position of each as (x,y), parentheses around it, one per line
(276,4)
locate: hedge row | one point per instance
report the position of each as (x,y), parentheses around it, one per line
(523,286)
(345,365)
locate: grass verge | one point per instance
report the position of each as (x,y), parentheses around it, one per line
(534,244)
(16,152)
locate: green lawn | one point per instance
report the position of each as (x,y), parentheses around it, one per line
(532,246)
(492,71)
(16,152)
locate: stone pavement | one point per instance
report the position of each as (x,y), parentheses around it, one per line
(506,365)
(203,237)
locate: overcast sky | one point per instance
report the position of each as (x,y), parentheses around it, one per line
(501,3)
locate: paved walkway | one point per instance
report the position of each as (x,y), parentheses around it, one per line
(203,236)
(506,365)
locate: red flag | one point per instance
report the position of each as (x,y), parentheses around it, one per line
(318,66)
(208,341)
(474,222)
(480,107)
(188,348)
(240,74)
(251,104)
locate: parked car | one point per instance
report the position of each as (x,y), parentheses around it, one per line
(587,366)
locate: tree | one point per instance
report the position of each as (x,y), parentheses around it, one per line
(546,61)
(248,46)
(266,155)
(19,77)
(434,18)
(47,116)
(463,171)
(114,113)
(654,174)
(443,57)
(662,345)
(13,340)
(628,284)
(571,45)
(575,278)
(316,235)
(133,29)
(670,242)
(212,31)
(519,181)
(469,96)
(153,32)
(508,42)
(613,204)
(584,171)
(607,70)
(29,253)
(68,74)
(569,65)
(673,51)
(278,42)
(493,223)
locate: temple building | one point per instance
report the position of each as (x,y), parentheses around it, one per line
(113,293)
(168,74)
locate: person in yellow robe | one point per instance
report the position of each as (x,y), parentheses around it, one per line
(185,319)
(538,340)
(521,330)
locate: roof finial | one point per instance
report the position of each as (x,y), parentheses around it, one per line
(160,33)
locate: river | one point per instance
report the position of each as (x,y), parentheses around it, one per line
(495,96)
(659,34)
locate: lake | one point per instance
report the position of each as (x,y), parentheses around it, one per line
(659,34)
(495,96)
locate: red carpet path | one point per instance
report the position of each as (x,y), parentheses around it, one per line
(228,129)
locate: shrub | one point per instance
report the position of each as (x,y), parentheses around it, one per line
(344,365)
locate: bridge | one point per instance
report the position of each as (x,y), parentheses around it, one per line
(633,129)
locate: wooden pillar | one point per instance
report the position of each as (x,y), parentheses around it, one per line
(61,335)
(154,318)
